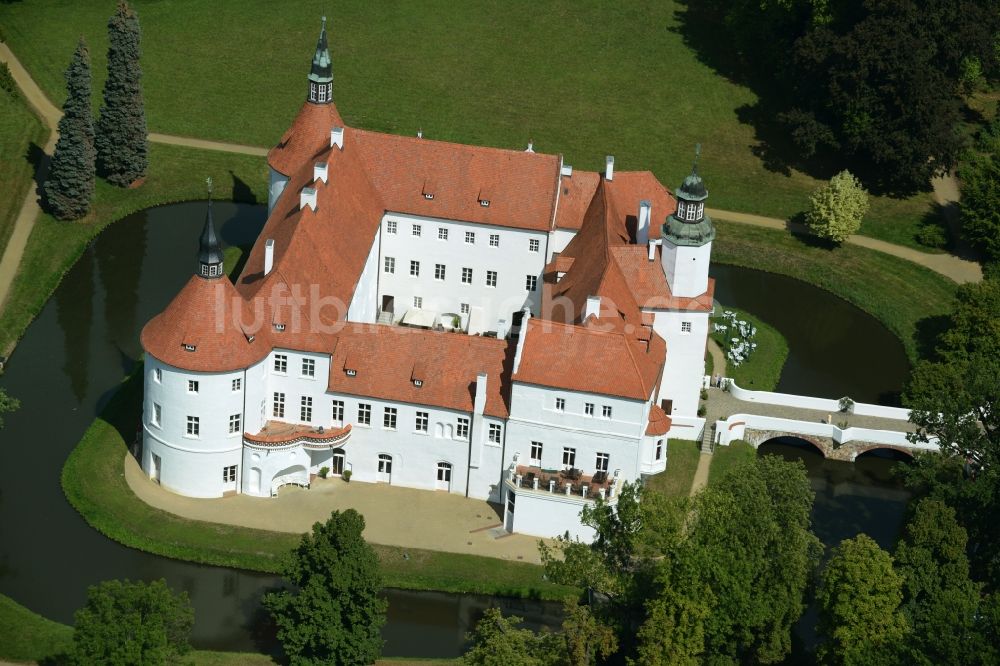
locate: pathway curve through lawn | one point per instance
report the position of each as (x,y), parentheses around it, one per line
(955,268)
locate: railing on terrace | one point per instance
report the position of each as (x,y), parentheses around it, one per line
(568,483)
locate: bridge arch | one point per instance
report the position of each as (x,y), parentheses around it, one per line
(884,450)
(804,442)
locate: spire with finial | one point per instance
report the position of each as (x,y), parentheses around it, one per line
(689,225)
(321,73)
(210,257)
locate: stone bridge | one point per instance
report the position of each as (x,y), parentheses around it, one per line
(828,446)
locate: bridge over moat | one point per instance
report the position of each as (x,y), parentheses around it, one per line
(760,416)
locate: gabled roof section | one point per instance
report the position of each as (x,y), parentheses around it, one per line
(592,359)
(575,197)
(648,284)
(308,136)
(520,186)
(387,359)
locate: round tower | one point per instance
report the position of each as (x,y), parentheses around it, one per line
(687,238)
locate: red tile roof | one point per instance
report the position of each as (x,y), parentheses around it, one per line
(649,285)
(308,135)
(659,422)
(574,198)
(386,357)
(594,359)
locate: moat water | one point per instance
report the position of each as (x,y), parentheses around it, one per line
(85,340)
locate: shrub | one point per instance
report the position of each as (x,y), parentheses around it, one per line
(932,235)
(701,410)
(704,394)
(7,83)
(846,405)
(323,472)
(836,209)
(347,475)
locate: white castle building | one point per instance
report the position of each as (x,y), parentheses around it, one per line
(456,318)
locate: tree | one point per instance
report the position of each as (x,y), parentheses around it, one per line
(940,600)
(836,209)
(500,641)
(70,183)
(674,631)
(859,597)
(980,202)
(121,129)
(335,613)
(583,638)
(7,404)
(132,623)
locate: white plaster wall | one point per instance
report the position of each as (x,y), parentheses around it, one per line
(808,402)
(558,240)
(735,428)
(684,369)
(548,516)
(292,463)
(686,268)
(295,386)
(276,185)
(648,464)
(257,400)
(686,427)
(365,302)
(512,260)
(191,466)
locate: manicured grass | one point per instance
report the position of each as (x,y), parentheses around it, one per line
(762,370)
(93,482)
(27,636)
(22,137)
(567,73)
(175,174)
(898,293)
(682,461)
(726,457)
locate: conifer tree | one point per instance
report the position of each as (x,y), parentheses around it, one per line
(70,183)
(121,130)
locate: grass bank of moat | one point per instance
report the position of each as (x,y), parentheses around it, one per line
(762,370)
(93,482)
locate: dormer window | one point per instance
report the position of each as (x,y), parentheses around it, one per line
(485,203)
(351,373)
(250,338)
(428,196)
(418,382)
(189,348)
(279,327)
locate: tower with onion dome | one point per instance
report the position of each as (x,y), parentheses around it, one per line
(687,238)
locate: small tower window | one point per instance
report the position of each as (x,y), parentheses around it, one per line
(690,212)
(701,211)
(680,210)
(312,92)
(322,92)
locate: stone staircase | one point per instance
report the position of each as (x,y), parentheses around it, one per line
(708,438)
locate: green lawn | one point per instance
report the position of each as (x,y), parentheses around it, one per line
(763,369)
(21,135)
(175,174)
(896,292)
(682,461)
(584,78)
(93,482)
(27,636)
(726,457)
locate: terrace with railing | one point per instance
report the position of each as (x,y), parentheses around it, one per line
(571,483)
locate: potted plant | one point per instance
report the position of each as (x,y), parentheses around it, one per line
(846,405)
(323,471)
(347,475)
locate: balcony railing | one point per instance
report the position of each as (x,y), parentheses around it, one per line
(568,483)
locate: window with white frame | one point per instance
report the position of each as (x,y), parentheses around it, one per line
(680,210)
(193,426)
(156,415)
(606,411)
(462,432)
(389,265)
(560,404)
(322,93)
(602,462)
(338,412)
(308,367)
(234,423)
(495,433)
(588,408)
(685,327)
(463,308)
(414,268)
(390,226)
(158,375)
(536,454)
(491,278)
(278,405)
(533,245)
(280,363)
(389,418)
(438,271)
(229,472)
(418,301)
(306,408)
(423,421)
(659,449)
(494,240)
(364,414)
(237,384)
(415,230)
(467,276)
(442,233)
(470,237)
(690,212)
(531,283)
(192,386)
(569,456)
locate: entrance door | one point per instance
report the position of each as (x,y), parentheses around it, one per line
(154,473)
(388,303)
(337,467)
(384,468)
(508,523)
(444,476)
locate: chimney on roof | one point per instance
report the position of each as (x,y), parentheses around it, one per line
(566,170)
(420,133)
(593,307)
(479,406)
(307,198)
(268,255)
(652,249)
(609,167)
(320,171)
(531,147)
(337,137)
(642,224)
(502,329)
(521,337)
